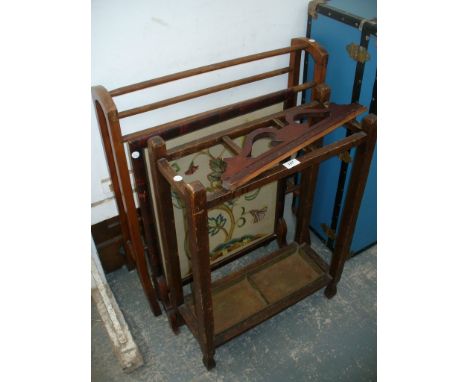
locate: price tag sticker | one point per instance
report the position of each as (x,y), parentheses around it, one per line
(291,163)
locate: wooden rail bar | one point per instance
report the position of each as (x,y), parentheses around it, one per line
(354,126)
(204,69)
(278,122)
(169,174)
(234,132)
(203,92)
(280,171)
(237,255)
(201,120)
(231,145)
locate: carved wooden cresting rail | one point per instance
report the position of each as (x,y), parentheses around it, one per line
(287,141)
(217,312)
(141,244)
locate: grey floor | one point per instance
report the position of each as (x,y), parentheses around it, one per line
(315,340)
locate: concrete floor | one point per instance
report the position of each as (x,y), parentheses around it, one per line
(315,340)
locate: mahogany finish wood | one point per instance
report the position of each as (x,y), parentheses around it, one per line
(288,140)
(207,68)
(233,133)
(165,213)
(280,171)
(201,120)
(203,92)
(197,216)
(198,310)
(101,103)
(231,145)
(246,250)
(356,187)
(137,249)
(147,220)
(223,334)
(111,134)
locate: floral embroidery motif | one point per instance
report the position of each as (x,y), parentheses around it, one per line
(175,166)
(231,245)
(216,224)
(217,166)
(231,214)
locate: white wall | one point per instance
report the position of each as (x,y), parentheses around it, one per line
(138,40)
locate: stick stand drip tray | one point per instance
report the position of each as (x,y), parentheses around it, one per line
(255,293)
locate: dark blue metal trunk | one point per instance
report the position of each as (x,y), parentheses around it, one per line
(345,28)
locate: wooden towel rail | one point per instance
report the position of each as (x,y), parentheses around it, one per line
(141,244)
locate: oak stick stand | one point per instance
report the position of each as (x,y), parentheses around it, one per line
(217,312)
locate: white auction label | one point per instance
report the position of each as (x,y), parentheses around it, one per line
(177,178)
(291,163)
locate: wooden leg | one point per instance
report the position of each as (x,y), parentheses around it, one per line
(106,143)
(209,362)
(163,198)
(197,216)
(112,138)
(281,228)
(306,199)
(357,184)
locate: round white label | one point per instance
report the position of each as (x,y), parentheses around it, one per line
(177,178)
(135,155)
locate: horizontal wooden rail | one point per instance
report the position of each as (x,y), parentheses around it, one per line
(168,172)
(233,133)
(201,120)
(319,155)
(279,172)
(204,69)
(231,145)
(203,92)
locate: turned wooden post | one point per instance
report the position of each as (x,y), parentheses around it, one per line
(197,224)
(165,213)
(357,184)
